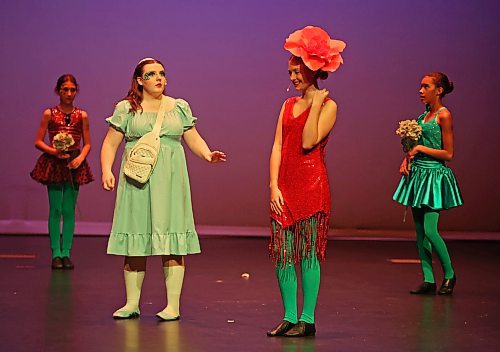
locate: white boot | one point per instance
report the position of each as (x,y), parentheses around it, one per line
(133,285)
(174,276)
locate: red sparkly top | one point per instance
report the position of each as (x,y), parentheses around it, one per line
(303,178)
(69,123)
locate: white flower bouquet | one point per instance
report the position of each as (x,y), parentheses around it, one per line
(409,131)
(62,141)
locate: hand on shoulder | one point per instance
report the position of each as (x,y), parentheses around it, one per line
(320,96)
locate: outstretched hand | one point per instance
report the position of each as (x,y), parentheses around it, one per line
(216,157)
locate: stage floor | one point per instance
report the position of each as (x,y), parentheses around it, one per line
(363,305)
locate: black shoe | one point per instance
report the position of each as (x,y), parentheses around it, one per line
(281,329)
(56,263)
(447,286)
(301,329)
(426,288)
(67,264)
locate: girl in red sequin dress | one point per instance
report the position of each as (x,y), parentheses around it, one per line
(300,194)
(63,169)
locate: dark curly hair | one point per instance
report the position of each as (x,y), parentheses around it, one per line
(441,80)
(65,78)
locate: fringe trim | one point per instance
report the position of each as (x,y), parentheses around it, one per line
(290,245)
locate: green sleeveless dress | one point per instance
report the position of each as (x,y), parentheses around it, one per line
(156,218)
(431,183)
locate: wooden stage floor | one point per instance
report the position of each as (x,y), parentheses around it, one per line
(363,305)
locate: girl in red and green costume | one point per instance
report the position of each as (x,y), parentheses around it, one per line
(63,171)
(300,194)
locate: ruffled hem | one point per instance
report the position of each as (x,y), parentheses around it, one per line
(50,170)
(153,244)
(291,244)
(433,187)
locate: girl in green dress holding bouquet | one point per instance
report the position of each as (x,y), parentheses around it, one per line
(156,218)
(429,186)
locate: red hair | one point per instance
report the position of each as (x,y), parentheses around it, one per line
(310,75)
(134,95)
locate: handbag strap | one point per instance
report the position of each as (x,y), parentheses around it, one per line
(160,116)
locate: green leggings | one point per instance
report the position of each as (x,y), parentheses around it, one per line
(428,238)
(62,201)
(287,280)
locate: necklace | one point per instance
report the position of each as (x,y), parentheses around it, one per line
(67,116)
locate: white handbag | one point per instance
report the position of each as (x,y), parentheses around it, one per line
(140,161)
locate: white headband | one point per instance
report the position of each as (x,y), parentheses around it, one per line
(145,59)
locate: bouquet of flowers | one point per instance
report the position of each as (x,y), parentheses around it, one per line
(62,141)
(409,131)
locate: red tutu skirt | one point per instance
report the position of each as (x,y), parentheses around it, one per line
(52,170)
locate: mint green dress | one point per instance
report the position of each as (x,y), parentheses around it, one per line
(431,183)
(155,218)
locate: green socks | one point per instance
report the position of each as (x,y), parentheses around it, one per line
(287,280)
(311,272)
(424,247)
(62,201)
(428,239)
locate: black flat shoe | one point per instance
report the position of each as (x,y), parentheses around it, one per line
(447,286)
(301,329)
(426,288)
(67,264)
(281,329)
(56,263)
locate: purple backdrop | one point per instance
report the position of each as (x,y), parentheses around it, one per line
(227,59)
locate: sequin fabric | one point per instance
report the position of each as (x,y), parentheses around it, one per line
(303,182)
(431,183)
(431,136)
(52,170)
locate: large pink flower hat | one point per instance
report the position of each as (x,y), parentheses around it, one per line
(316,49)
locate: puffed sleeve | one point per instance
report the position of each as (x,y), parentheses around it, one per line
(188,120)
(119,119)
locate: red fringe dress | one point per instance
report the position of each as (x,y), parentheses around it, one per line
(52,170)
(303,182)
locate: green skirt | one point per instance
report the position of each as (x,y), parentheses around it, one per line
(430,184)
(157,217)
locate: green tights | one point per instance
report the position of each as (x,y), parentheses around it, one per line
(287,280)
(428,238)
(62,201)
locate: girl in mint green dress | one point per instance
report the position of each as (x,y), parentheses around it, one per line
(429,186)
(155,218)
